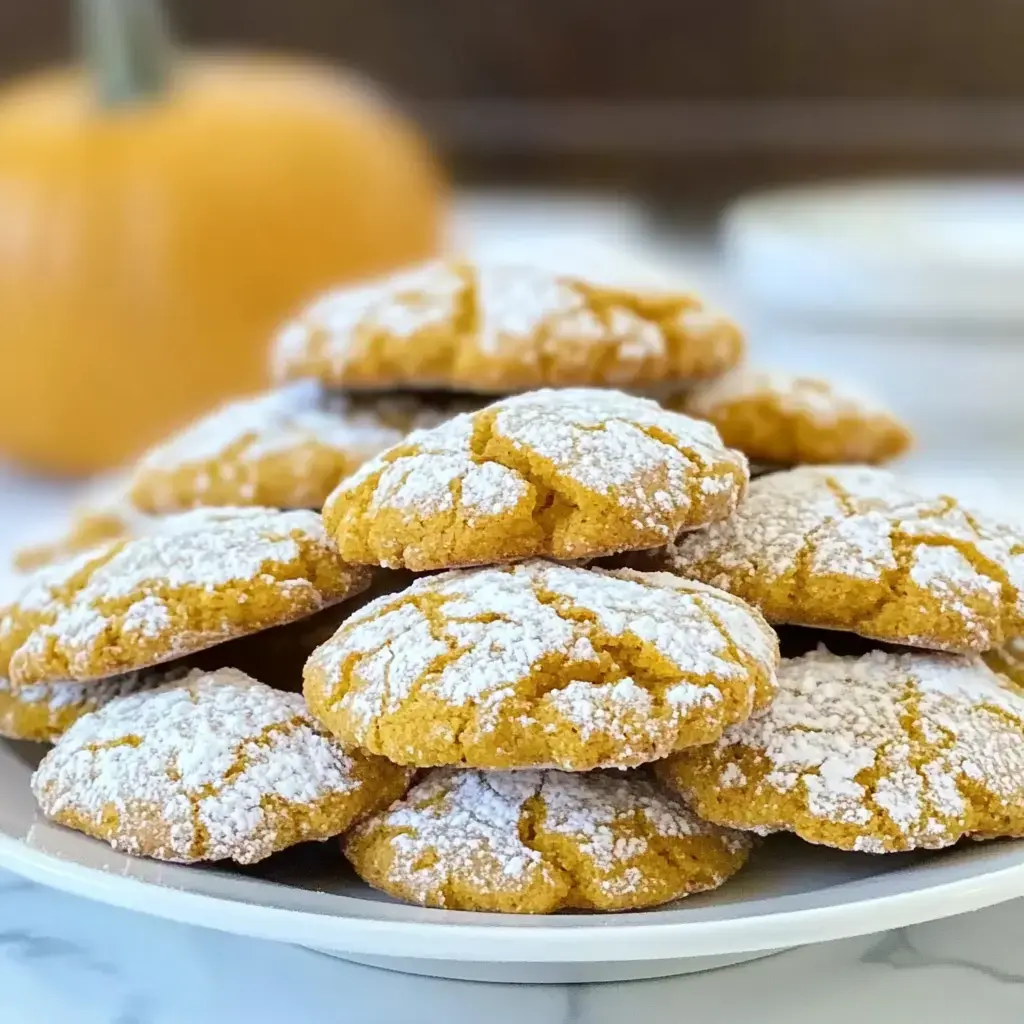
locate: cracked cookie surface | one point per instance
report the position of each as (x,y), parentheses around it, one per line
(882,753)
(492,327)
(206,577)
(42,712)
(565,474)
(214,767)
(533,842)
(854,548)
(783,420)
(1008,660)
(285,449)
(540,665)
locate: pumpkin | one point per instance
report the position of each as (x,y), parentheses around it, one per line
(156,224)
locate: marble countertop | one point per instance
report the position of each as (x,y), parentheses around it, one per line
(64,959)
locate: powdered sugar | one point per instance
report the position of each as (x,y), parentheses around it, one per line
(200,762)
(477,638)
(884,742)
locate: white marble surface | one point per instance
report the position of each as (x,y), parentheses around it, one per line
(65,960)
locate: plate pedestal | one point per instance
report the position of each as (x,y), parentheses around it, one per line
(551,973)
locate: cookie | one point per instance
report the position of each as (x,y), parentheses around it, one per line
(287,449)
(858,549)
(206,577)
(778,419)
(214,767)
(104,513)
(534,842)
(497,328)
(1008,660)
(539,665)
(44,711)
(565,474)
(881,753)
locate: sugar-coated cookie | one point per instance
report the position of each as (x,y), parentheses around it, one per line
(497,328)
(539,665)
(880,753)
(859,549)
(286,449)
(534,842)
(565,474)
(214,767)
(1008,660)
(780,419)
(205,577)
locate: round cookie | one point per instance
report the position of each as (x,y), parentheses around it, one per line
(778,419)
(1008,660)
(286,449)
(205,577)
(105,513)
(858,549)
(534,842)
(44,711)
(565,474)
(496,328)
(214,767)
(882,753)
(542,665)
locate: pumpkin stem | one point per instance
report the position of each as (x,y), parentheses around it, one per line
(127,47)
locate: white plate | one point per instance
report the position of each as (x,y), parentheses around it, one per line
(790,894)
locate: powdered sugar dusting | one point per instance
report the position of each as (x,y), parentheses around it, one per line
(201,762)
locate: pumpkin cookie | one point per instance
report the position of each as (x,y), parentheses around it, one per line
(206,577)
(534,842)
(567,474)
(106,512)
(1008,660)
(286,449)
(540,665)
(44,711)
(491,327)
(782,420)
(881,753)
(858,549)
(214,767)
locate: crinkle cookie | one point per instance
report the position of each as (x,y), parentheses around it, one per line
(492,327)
(566,474)
(542,665)
(43,711)
(781,420)
(534,842)
(214,767)
(881,753)
(1008,660)
(105,513)
(285,449)
(206,577)
(859,549)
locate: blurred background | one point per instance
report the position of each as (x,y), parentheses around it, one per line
(628,130)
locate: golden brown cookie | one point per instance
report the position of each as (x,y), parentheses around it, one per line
(778,419)
(214,767)
(858,549)
(285,449)
(491,327)
(1008,660)
(539,665)
(44,711)
(104,513)
(206,577)
(566,474)
(880,753)
(534,842)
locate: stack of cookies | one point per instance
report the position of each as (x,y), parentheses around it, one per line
(560,685)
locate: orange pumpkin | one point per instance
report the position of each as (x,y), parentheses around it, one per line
(149,248)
